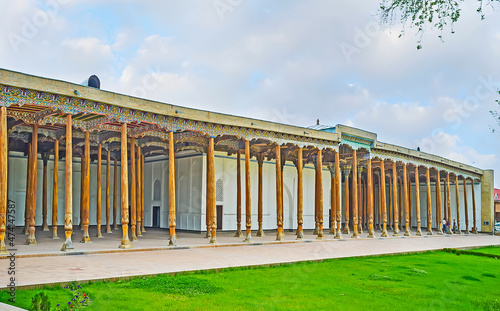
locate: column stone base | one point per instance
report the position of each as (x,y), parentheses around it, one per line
(248,238)
(45,227)
(407,232)
(430,232)
(279,235)
(474,230)
(300,234)
(384,233)
(419,232)
(68,244)
(238,234)
(338,234)
(31,240)
(260,232)
(315,232)
(173,241)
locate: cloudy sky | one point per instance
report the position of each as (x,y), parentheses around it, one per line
(286,61)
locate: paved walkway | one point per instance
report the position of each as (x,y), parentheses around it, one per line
(103,260)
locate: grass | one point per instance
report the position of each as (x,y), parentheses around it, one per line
(492,250)
(426,281)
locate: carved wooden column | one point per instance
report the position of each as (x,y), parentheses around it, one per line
(115,193)
(300,194)
(171,188)
(369,206)
(379,205)
(458,205)
(439,217)
(68,188)
(99,190)
(417,201)
(55,191)
(45,160)
(108,186)
(279,194)
(354,195)
(474,228)
(333,195)
(211,189)
(133,190)
(429,203)
(391,203)
(28,198)
(82,182)
(31,240)
(319,198)
(238,233)
(124,188)
(465,207)
(400,204)
(360,201)
(406,201)
(445,194)
(4,160)
(410,208)
(448,203)
(260,161)
(316,205)
(86,191)
(142,193)
(248,202)
(138,194)
(383,199)
(347,171)
(395,198)
(338,195)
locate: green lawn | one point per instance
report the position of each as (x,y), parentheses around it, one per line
(428,281)
(493,250)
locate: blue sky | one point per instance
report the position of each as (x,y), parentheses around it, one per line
(285,61)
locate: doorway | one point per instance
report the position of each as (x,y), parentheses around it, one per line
(156,217)
(219,217)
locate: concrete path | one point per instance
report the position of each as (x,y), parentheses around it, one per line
(51,269)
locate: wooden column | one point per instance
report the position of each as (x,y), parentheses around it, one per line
(369,204)
(45,160)
(124,188)
(347,172)
(55,191)
(108,193)
(410,208)
(474,228)
(28,198)
(406,201)
(458,205)
(211,190)
(383,199)
(99,190)
(439,217)
(300,195)
(466,209)
(142,193)
(319,199)
(338,196)
(248,206)
(4,160)
(316,205)
(238,233)
(82,182)
(448,203)
(68,189)
(354,195)
(391,203)
(429,203)
(333,210)
(115,193)
(445,210)
(260,161)
(379,202)
(279,194)
(86,191)
(360,201)
(138,194)
(133,190)
(395,198)
(171,189)
(400,204)
(417,201)
(31,240)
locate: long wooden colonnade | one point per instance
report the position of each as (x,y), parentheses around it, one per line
(362,178)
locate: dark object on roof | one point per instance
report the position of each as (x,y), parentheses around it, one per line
(93,81)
